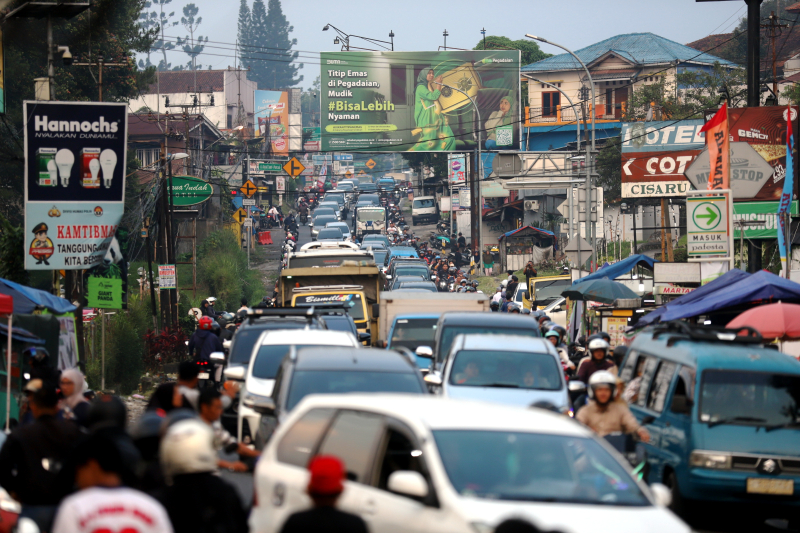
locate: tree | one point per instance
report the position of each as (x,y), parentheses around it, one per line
(309,104)
(609,162)
(158,21)
(191,22)
(243,37)
(270,57)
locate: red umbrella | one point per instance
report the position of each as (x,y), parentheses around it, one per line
(773,321)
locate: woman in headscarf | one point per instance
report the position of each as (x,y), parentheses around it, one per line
(436,133)
(74,405)
(502,117)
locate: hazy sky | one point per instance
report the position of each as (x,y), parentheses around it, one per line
(419,25)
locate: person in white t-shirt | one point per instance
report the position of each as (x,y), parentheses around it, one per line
(103,503)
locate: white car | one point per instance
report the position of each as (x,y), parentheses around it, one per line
(424,464)
(557,311)
(268,352)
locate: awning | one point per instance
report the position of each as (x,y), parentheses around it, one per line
(28,299)
(21,335)
(488,213)
(615,270)
(544,232)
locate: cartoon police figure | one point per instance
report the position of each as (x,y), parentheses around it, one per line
(41,247)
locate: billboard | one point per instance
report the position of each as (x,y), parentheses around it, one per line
(457,168)
(312,139)
(272,119)
(660,136)
(656,174)
(75,155)
(413,101)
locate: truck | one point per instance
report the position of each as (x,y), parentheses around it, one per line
(369,220)
(354,288)
(422,305)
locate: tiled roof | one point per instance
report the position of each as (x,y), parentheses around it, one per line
(794,8)
(640,48)
(183,81)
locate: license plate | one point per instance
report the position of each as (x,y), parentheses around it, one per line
(369,224)
(783,487)
(203,375)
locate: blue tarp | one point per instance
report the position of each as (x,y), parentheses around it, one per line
(19,334)
(728,278)
(761,287)
(619,268)
(28,299)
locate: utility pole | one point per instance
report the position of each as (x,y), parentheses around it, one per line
(445,34)
(773,32)
(100,64)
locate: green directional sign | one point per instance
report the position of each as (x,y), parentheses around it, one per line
(707,215)
(188,190)
(707,226)
(270,167)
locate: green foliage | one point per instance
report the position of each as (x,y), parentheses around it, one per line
(157,21)
(792,92)
(222,269)
(267,31)
(530,53)
(609,161)
(12,260)
(418,160)
(191,46)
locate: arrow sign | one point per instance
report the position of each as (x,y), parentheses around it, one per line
(626,167)
(711,215)
(240,215)
(248,189)
(293,167)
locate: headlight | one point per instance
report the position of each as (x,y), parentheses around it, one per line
(710,460)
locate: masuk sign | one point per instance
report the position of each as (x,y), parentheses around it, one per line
(749,171)
(188,190)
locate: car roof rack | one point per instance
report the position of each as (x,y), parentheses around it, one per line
(743,335)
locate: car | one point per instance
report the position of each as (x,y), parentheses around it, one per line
(506,369)
(453,323)
(411,332)
(338,197)
(259,377)
(722,412)
(330,234)
(543,290)
(367,187)
(342,226)
(324,210)
(426,464)
(320,223)
(373,245)
(337,208)
(521,295)
(415,286)
(400,251)
(378,238)
(557,311)
(401,270)
(395,282)
(334,369)
(374,199)
(341,321)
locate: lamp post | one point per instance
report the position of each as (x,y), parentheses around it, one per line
(445,34)
(345,39)
(171,238)
(590,163)
(477,191)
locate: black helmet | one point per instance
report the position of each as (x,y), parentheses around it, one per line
(36,356)
(106,411)
(525,311)
(475,283)
(494,306)
(241,315)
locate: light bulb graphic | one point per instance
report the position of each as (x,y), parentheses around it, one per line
(53,170)
(64,161)
(108,160)
(94,168)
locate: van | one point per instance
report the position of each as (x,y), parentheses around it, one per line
(722,412)
(423,209)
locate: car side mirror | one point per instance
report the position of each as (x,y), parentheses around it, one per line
(577,386)
(261,405)
(236,373)
(217,356)
(661,494)
(408,483)
(364,337)
(376,310)
(681,405)
(433,379)
(424,351)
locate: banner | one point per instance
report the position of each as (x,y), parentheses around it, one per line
(75,155)
(420,101)
(786,199)
(457,168)
(718,143)
(766,212)
(107,283)
(656,174)
(272,119)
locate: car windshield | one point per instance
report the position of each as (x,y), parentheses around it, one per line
(246,338)
(330,233)
(349,302)
(535,467)
(346,186)
(548,290)
(412,271)
(368,187)
(323,211)
(269,357)
(332,259)
(516,370)
(339,323)
(413,333)
(371,214)
(340,226)
(305,382)
(380,255)
(422,204)
(749,398)
(449,333)
(323,219)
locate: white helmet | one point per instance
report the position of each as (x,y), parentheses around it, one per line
(598,344)
(602,378)
(504,283)
(188,448)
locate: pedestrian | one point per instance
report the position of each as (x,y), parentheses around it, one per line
(103,502)
(462,241)
(180,394)
(197,499)
(210,404)
(324,488)
(511,288)
(243,302)
(530,272)
(488,262)
(74,405)
(32,455)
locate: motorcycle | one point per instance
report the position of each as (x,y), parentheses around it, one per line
(303,219)
(636,455)
(273,222)
(443,227)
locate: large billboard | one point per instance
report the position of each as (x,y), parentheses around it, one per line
(420,101)
(272,119)
(75,155)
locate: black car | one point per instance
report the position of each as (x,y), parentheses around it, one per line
(419,286)
(333,370)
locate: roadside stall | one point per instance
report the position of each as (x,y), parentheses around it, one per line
(519,246)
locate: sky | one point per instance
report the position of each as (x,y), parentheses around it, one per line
(419,25)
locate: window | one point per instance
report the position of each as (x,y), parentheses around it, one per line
(399,75)
(519,370)
(609,101)
(750,398)
(549,103)
(660,387)
(399,454)
(230,121)
(148,156)
(299,442)
(626,373)
(650,365)
(353,438)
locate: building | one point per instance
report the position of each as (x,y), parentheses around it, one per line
(618,65)
(232,94)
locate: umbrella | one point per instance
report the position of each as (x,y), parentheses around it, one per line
(599,290)
(773,321)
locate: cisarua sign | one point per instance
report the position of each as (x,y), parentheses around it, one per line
(188,190)
(656,174)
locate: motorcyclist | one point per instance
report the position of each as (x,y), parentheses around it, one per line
(494,306)
(596,361)
(513,308)
(227,326)
(290,223)
(555,337)
(207,307)
(203,342)
(605,415)
(303,210)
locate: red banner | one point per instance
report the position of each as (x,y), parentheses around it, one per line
(718,143)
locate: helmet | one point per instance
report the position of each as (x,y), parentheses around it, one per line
(215,326)
(552,333)
(472,289)
(207,323)
(512,308)
(241,315)
(494,306)
(598,344)
(504,283)
(560,330)
(605,336)
(525,311)
(225,319)
(36,356)
(602,378)
(188,448)
(463,280)
(106,411)
(475,283)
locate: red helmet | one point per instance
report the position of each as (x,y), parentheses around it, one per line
(206,323)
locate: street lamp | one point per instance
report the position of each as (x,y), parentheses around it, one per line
(445,38)
(590,164)
(345,39)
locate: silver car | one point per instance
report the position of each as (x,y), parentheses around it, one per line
(505,369)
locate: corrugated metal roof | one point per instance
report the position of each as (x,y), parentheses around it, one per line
(639,48)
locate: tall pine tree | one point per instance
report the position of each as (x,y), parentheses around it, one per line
(269,55)
(243,36)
